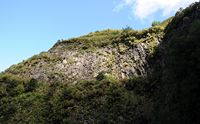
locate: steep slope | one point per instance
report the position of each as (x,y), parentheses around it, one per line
(164,90)
(120,53)
(178,97)
(94,99)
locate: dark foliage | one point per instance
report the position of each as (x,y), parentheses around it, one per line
(168,95)
(179,96)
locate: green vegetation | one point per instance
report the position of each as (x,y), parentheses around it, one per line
(95,42)
(94,39)
(155,23)
(177,100)
(36,60)
(101,101)
(100,39)
(169,94)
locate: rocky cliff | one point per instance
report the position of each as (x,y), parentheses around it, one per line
(118,77)
(119,53)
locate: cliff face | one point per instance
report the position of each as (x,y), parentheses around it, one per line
(162,66)
(179,81)
(121,54)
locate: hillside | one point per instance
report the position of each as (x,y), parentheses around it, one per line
(120,53)
(112,76)
(179,78)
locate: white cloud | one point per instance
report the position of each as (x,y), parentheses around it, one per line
(143,9)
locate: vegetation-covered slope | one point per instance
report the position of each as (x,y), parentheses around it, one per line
(179,94)
(166,91)
(98,101)
(120,53)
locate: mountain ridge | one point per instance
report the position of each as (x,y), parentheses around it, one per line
(121,53)
(167,92)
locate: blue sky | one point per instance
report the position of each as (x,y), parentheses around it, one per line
(28,27)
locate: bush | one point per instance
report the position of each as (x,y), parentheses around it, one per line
(155,23)
(31,85)
(127,28)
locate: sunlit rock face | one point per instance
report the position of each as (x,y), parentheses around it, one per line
(122,54)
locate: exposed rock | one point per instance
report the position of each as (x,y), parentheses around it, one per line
(74,60)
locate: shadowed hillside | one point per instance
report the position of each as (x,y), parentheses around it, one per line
(112,76)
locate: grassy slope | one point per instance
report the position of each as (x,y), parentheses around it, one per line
(91,43)
(105,100)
